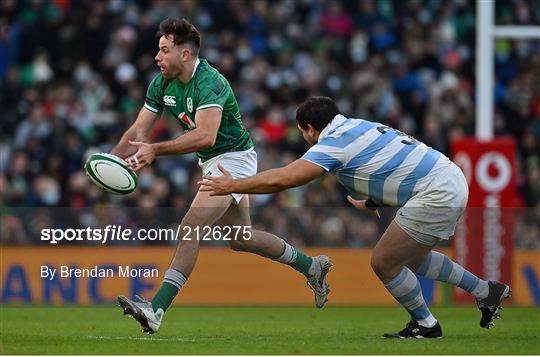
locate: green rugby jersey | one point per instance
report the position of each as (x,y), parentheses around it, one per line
(207,88)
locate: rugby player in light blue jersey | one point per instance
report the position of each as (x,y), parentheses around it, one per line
(389,168)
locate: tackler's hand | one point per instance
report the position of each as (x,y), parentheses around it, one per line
(217,185)
(368,204)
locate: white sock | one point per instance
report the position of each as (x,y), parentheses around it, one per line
(174,277)
(289,254)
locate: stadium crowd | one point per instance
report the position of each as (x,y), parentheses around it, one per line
(74,75)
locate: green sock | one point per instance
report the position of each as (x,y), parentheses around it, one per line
(302,263)
(164,297)
(295,258)
(171,285)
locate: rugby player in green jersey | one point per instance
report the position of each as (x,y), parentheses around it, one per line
(203,102)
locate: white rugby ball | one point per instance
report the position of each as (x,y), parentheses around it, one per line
(111,173)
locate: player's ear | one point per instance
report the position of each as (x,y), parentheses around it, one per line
(185,54)
(311,130)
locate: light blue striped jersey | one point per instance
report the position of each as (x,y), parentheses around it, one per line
(374,160)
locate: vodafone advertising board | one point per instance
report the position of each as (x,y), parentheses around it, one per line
(484,241)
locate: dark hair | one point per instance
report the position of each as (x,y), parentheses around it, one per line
(183,32)
(316,111)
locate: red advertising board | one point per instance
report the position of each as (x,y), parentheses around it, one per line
(483,242)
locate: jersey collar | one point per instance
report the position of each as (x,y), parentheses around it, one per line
(195,67)
(338,120)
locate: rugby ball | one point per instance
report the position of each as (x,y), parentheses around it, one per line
(111,173)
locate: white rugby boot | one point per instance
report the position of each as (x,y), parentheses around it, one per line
(317,282)
(143,312)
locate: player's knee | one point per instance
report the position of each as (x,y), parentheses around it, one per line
(379,264)
(190,222)
(198,217)
(384,266)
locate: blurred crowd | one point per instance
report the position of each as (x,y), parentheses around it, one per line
(74,75)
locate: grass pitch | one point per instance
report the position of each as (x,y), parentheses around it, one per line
(237,330)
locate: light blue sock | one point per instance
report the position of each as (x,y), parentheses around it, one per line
(405,288)
(439,267)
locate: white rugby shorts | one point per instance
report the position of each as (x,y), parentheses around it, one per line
(432,214)
(240,164)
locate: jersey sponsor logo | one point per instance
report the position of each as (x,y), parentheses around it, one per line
(186,120)
(169,100)
(189,103)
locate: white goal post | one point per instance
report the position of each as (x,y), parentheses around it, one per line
(486,32)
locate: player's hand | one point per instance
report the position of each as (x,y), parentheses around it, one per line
(217,185)
(144,156)
(361,204)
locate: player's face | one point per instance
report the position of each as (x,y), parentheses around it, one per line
(170,58)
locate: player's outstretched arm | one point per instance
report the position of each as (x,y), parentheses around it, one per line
(139,131)
(204,135)
(295,174)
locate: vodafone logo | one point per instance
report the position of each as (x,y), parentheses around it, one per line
(484,238)
(502,171)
